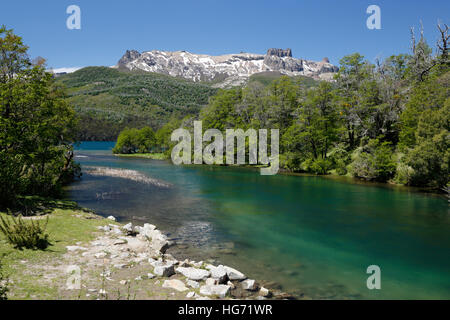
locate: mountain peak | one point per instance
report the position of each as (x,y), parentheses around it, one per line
(225,70)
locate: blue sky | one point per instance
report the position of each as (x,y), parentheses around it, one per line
(313,29)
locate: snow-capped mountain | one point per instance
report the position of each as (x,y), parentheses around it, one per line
(225,70)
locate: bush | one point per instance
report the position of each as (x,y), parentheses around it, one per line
(317,166)
(374,161)
(25,234)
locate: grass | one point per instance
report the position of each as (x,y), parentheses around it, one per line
(67,224)
(154,156)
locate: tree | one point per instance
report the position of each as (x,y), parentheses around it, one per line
(36,126)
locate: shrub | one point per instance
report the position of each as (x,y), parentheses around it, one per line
(25,234)
(374,161)
(317,166)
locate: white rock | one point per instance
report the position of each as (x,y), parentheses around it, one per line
(124,282)
(248,284)
(197,264)
(220,290)
(190,294)
(165,270)
(234,274)
(193,284)
(175,284)
(75,248)
(211,282)
(111,218)
(100,255)
(184,263)
(202,298)
(263,292)
(104,228)
(150,275)
(193,273)
(128,227)
(120,266)
(219,273)
(159,245)
(231,284)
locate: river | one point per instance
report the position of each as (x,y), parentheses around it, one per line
(312,236)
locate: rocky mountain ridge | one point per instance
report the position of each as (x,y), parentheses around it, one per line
(225,70)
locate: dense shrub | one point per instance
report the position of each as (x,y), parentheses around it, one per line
(135,141)
(374,162)
(25,234)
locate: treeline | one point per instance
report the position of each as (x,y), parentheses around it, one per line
(36,127)
(387,121)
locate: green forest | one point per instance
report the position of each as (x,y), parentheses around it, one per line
(386,122)
(108,100)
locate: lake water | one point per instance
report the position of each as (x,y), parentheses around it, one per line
(311,235)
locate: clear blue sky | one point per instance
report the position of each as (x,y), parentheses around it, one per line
(313,29)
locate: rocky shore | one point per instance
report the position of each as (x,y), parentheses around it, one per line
(133,254)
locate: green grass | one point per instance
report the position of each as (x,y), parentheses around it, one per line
(67,225)
(154,156)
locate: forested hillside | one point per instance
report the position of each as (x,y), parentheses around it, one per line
(108,100)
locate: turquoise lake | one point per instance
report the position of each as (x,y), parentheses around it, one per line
(311,236)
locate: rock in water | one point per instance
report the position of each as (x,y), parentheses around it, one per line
(233,274)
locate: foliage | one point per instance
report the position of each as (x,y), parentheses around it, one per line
(24,234)
(374,161)
(135,141)
(36,126)
(109,100)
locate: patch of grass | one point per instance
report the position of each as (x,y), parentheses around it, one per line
(67,225)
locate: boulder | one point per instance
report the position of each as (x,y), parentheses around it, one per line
(159,245)
(249,285)
(263,292)
(190,294)
(193,273)
(128,228)
(164,270)
(234,274)
(111,218)
(193,284)
(220,290)
(211,282)
(175,284)
(219,273)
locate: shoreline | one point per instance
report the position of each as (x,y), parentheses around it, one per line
(114,258)
(345,178)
